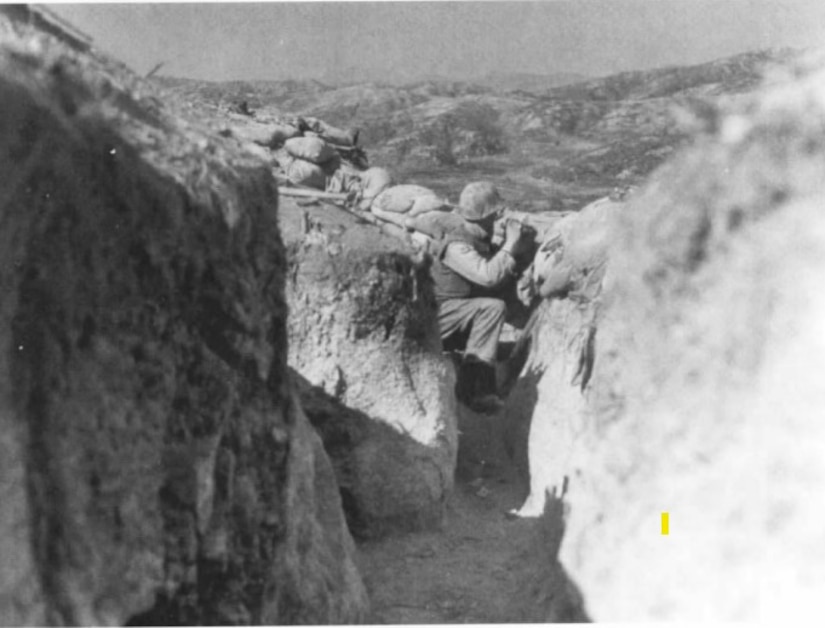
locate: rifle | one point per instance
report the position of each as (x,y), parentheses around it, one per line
(341,200)
(306,192)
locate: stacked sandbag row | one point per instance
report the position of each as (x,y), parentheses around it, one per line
(367,184)
(308,161)
(413,207)
(274,133)
(271,135)
(306,151)
(327,158)
(313,154)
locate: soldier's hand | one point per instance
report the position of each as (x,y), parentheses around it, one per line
(514,237)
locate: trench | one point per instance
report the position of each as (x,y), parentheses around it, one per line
(480,566)
(471,563)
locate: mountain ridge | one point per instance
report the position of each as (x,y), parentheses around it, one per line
(555,147)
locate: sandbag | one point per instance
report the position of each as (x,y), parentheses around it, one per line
(334,135)
(256,133)
(305,173)
(296,121)
(392,217)
(409,199)
(427,204)
(373,181)
(312,149)
(267,135)
(258,151)
(574,252)
(552,273)
(281,133)
(332,165)
(343,180)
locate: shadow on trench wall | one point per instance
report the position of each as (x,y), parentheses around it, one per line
(389,482)
(549,595)
(518,414)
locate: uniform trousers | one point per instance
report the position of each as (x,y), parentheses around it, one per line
(483,317)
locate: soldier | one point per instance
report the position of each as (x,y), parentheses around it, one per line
(470,279)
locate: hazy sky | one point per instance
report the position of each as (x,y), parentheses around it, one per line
(405,40)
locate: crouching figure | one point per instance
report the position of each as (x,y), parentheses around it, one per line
(471,280)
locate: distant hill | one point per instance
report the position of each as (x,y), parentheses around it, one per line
(525,82)
(494,81)
(290,95)
(545,144)
(735,74)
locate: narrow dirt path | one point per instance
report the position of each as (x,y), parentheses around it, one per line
(470,571)
(480,567)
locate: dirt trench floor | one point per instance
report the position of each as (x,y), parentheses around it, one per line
(478,566)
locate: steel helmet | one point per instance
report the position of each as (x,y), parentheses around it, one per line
(478,200)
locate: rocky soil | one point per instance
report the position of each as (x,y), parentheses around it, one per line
(363,341)
(156,465)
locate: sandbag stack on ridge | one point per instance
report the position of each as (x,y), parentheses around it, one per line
(344,180)
(309,161)
(261,139)
(307,151)
(311,149)
(267,135)
(331,134)
(399,202)
(305,173)
(373,181)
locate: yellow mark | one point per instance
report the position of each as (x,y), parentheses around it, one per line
(665,523)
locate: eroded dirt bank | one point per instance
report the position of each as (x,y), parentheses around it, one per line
(707,395)
(155,465)
(703,395)
(364,344)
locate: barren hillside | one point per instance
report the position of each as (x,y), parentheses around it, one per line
(547,147)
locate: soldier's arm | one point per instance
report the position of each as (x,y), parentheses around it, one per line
(475,268)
